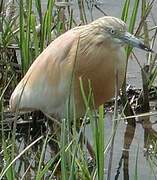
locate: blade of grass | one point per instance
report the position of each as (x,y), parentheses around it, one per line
(64,172)
(35,35)
(125,11)
(28,30)
(46,25)
(101,143)
(42,155)
(22,38)
(114,123)
(39,10)
(134,16)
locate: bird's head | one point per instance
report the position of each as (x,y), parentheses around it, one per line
(115,29)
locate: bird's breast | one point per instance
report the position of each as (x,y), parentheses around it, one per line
(99,68)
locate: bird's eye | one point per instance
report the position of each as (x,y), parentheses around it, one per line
(112,31)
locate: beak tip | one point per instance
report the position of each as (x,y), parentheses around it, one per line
(144,47)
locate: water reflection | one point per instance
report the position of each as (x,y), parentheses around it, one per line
(150,143)
(128,138)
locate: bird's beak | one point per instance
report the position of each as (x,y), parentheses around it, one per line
(135,42)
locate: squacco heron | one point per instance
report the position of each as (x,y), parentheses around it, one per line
(90,52)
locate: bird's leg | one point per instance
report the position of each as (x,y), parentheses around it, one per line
(83,138)
(88,145)
(54,130)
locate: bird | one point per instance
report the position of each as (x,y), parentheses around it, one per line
(91,54)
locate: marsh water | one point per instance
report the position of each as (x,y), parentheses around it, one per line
(133,140)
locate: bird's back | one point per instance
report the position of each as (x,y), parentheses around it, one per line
(45,84)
